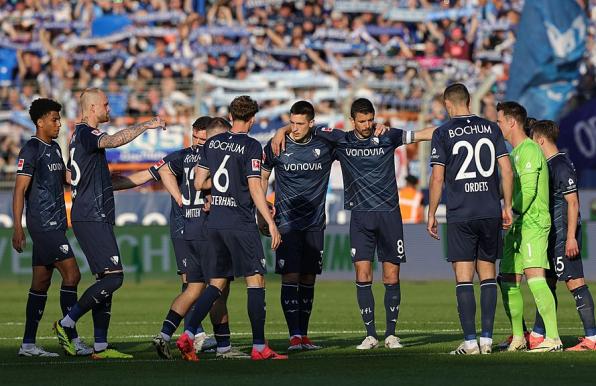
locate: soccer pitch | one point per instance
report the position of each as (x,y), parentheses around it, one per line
(428,325)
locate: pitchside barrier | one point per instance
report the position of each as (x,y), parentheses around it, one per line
(147,252)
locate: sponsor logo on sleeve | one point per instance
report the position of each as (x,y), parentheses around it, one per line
(256,165)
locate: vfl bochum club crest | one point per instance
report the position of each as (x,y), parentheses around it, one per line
(64,248)
(375,140)
(115,259)
(317,152)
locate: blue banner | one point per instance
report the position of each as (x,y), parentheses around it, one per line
(550,44)
(578,136)
(107,25)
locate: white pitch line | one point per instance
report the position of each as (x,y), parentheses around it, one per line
(311,333)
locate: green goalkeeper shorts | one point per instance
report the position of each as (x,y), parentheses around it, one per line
(524,248)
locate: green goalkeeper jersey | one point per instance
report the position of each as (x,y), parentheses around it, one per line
(530,186)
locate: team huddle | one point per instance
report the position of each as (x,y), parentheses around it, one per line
(218,207)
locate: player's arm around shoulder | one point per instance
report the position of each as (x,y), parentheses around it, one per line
(125,136)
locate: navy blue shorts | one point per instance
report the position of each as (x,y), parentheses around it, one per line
(98,243)
(234,253)
(194,267)
(562,267)
(50,247)
(380,231)
(300,252)
(480,239)
(181,252)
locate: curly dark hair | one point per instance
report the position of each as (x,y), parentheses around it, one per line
(42,106)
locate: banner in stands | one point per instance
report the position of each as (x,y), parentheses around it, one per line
(578,136)
(545,71)
(147,252)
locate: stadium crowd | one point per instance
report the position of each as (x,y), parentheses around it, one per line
(148,55)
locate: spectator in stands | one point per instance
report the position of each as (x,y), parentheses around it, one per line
(411,201)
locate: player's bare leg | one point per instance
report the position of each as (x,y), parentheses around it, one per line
(392,300)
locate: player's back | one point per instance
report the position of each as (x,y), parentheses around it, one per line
(92,191)
(232,158)
(45,208)
(469,146)
(172,161)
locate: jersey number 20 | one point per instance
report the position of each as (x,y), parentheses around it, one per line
(474,152)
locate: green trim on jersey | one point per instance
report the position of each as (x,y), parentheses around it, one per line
(530,186)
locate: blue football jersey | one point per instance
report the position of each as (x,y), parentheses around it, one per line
(232,158)
(563,181)
(469,146)
(44,199)
(301,179)
(368,167)
(192,200)
(176,212)
(92,191)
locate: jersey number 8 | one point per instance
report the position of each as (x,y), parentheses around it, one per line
(474,152)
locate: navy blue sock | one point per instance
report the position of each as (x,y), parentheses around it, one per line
(102,289)
(366,302)
(538,322)
(488,306)
(171,323)
(290,305)
(202,307)
(256,313)
(392,301)
(585,307)
(306,294)
(195,330)
(36,304)
(68,298)
(101,320)
(222,334)
(466,306)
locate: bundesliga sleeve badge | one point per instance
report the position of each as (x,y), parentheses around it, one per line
(256,165)
(20,164)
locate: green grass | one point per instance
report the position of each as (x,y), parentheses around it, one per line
(428,325)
